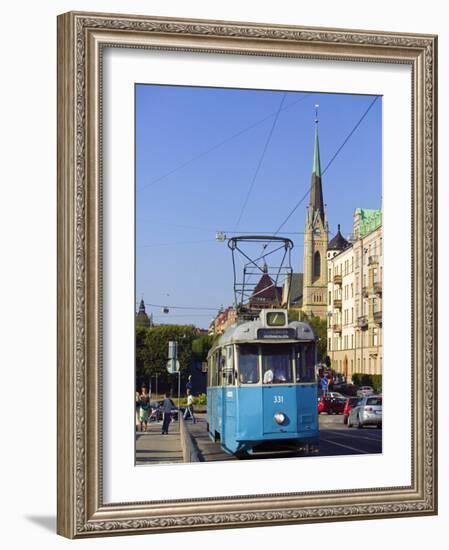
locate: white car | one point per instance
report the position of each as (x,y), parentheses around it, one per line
(364,391)
(367,412)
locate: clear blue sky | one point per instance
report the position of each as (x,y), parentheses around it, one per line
(185,191)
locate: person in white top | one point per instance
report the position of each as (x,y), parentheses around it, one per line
(189,408)
(268,377)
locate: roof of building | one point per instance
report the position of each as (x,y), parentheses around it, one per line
(296,289)
(370,219)
(266,291)
(338,242)
(142,319)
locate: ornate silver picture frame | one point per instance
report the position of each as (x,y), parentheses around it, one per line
(82,40)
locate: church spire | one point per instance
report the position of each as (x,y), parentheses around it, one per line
(316,191)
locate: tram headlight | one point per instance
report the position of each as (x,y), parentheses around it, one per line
(280,417)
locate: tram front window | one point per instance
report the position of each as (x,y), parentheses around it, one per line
(248,364)
(305,363)
(277,364)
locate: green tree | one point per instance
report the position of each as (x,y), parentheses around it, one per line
(201,346)
(152,351)
(141,333)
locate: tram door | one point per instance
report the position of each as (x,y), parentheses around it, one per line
(229,393)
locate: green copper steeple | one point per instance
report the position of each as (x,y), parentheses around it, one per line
(316,191)
(316,168)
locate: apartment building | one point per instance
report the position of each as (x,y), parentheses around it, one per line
(354,313)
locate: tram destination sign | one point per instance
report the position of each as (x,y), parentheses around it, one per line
(276,333)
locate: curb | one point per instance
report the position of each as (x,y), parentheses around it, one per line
(189,449)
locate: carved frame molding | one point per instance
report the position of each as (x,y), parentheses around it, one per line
(81,39)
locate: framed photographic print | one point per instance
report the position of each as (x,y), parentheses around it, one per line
(246,274)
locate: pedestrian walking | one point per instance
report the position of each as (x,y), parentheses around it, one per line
(166,410)
(189,408)
(143,401)
(189,385)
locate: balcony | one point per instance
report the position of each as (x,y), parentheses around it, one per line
(336,327)
(377,315)
(377,287)
(337,303)
(337,280)
(362,322)
(373,260)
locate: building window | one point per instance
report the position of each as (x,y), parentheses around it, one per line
(317,265)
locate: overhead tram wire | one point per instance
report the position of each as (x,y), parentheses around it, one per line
(221,143)
(183,307)
(328,164)
(259,164)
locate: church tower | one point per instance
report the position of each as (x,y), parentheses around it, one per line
(315,243)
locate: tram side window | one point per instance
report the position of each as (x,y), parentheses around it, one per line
(211,370)
(277,364)
(228,371)
(218,368)
(305,363)
(248,363)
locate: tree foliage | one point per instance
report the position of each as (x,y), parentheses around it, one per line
(152,352)
(373,380)
(201,346)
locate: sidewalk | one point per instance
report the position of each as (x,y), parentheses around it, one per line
(152,447)
(208,450)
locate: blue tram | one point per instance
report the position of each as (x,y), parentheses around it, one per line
(262,391)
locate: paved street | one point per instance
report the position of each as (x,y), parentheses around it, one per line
(335,439)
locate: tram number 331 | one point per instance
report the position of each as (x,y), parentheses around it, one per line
(278,399)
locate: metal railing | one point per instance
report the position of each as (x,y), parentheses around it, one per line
(362,322)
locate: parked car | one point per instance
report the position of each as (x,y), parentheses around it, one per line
(350,403)
(368,411)
(331,405)
(346,389)
(364,391)
(334,395)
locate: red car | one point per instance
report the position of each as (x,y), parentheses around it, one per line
(349,404)
(331,405)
